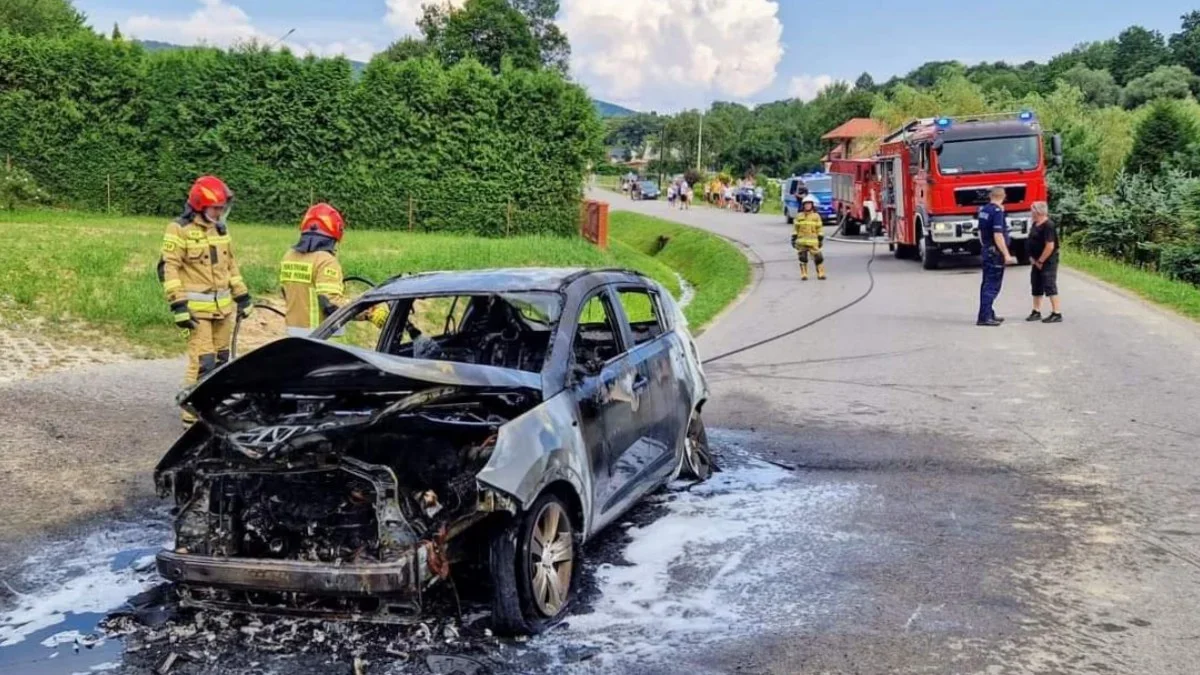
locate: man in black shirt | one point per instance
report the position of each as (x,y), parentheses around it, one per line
(1043,254)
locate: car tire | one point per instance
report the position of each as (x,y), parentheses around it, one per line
(695,461)
(1022,254)
(520,604)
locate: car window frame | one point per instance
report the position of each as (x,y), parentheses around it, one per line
(656,304)
(615,313)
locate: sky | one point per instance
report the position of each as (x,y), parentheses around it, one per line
(669,55)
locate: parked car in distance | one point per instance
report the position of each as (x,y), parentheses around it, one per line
(646,189)
(496,421)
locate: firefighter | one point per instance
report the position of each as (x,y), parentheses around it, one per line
(200,277)
(809,237)
(311,276)
(994,241)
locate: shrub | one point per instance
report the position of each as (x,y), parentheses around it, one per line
(17,187)
(415,143)
(1182,262)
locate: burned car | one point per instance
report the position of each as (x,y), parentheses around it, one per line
(496,421)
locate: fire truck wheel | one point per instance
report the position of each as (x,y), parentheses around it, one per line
(929,253)
(1022,254)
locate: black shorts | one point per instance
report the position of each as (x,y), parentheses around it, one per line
(1045,280)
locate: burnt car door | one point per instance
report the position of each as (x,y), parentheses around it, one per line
(654,401)
(602,382)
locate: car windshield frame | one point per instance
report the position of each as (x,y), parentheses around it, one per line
(819,184)
(648,184)
(968,150)
(529,304)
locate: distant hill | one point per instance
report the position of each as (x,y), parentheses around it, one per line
(607,109)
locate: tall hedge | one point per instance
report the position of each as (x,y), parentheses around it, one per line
(447,149)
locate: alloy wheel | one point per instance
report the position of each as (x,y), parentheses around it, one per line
(551,558)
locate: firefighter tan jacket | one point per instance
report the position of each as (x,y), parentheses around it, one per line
(305,278)
(198,268)
(809,229)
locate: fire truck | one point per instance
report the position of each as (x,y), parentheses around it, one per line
(856,196)
(933,175)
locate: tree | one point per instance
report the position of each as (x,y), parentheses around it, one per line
(1163,82)
(43,18)
(406,48)
(1138,52)
(1164,131)
(865,82)
(1185,45)
(116,33)
(1098,86)
(928,74)
(491,31)
(555,49)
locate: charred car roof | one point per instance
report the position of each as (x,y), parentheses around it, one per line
(550,279)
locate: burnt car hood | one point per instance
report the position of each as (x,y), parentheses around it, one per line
(298,364)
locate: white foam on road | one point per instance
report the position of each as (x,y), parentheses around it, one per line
(79,576)
(733,556)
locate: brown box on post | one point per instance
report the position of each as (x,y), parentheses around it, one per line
(593,222)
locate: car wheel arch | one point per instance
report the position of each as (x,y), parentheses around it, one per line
(569,494)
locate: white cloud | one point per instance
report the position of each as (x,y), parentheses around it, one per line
(670,54)
(222,24)
(806,87)
(402,15)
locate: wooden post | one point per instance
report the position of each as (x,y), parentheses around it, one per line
(411,213)
(508,220)
(108,191)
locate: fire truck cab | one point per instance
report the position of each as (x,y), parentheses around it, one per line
(935,174)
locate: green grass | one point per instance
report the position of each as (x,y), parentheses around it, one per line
(72,270)
(1179,296)
(714,266)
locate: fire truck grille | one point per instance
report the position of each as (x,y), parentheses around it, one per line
(979,196)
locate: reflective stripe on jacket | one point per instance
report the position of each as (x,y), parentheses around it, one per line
(809,228)
(305,279)
(198,267)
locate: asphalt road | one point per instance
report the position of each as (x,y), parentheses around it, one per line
(956,499)
(1029,495)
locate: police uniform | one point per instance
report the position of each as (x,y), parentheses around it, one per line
(809,231)
(992,220)
(201,280)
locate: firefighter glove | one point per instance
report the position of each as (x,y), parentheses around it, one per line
(793,241)
(183,318)
(245,305)
(820,240)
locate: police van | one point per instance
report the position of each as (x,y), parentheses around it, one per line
(819,185)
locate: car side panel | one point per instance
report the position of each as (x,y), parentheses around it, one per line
(538,448)
(642,394)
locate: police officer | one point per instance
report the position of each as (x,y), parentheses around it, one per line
(201,280)
(809,237)
(994,241)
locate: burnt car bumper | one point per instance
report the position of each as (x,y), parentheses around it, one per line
(405,576)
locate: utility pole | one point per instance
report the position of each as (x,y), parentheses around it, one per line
(285,36)
(662,168)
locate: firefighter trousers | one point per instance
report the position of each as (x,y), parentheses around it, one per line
(207,347)
(803,251)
